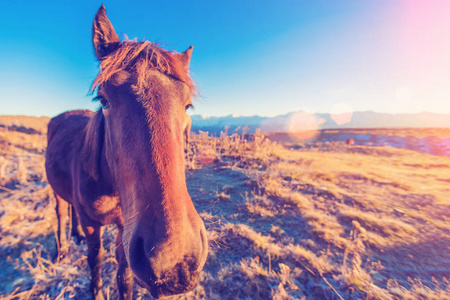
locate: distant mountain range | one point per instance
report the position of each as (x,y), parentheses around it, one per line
(291,122)
(301,121)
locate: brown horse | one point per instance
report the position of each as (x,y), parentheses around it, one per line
(124,165)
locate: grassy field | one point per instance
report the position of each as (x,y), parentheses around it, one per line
(325,222)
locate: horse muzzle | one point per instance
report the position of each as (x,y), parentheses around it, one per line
(165,262)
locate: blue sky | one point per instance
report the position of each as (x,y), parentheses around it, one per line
(250,57)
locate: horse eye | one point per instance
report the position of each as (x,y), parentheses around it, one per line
(105,104)
(189,106)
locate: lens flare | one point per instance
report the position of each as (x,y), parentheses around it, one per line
(303,126)
(341,113)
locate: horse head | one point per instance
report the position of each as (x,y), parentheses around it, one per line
(140,133)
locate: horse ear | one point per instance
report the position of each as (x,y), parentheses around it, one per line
(185,57)
(104,36)
(93,145)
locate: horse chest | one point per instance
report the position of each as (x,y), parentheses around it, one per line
(104,209)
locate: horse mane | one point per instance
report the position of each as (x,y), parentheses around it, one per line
(93,145)
(138,57)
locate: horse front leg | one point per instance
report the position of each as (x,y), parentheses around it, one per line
(62,213)
(125,278)
(93,232)
(77,231)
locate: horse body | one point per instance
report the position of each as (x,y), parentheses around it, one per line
(59,159)
(124,165)
(66,175)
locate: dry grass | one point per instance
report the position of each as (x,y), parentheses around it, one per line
(331,222)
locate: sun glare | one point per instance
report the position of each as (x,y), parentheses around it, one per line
(303,126)
(341,113)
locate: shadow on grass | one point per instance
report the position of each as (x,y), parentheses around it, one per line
(15,275)
(428,261)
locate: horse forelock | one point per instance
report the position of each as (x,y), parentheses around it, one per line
(139,57)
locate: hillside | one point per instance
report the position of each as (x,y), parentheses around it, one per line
(24,124)
(323,221)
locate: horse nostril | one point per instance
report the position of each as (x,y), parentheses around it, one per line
(139,248)
(138,260)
